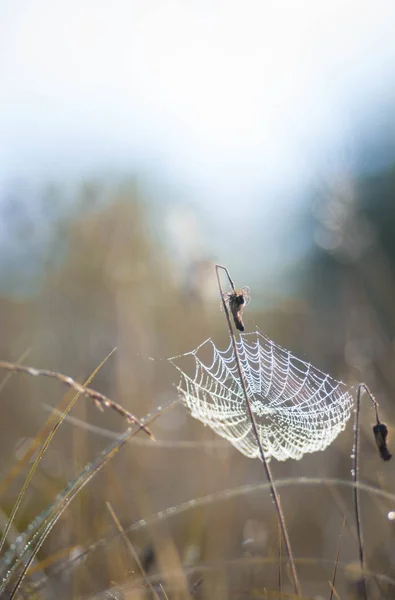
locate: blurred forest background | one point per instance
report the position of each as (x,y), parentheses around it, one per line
(94,258)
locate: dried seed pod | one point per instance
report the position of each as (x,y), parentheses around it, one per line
(380,435)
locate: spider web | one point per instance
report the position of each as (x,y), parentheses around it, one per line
(298,409)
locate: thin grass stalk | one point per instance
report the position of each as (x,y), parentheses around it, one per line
(380,433)
(355,475)
(43,450)
(9,375)
(273,491)
(223,496)
(332,583)
(61,506)
(256,593)
(280,572)
(131,550)
(333,591)
(65,498)
(215,566)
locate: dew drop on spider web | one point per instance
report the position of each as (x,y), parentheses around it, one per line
(298,408)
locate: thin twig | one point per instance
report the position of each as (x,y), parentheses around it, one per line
(273,491)
(99,399)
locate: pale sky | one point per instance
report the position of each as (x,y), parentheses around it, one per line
(228,101)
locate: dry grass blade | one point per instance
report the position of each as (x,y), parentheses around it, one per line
(228,494)
(43,449)
(17,467)
(332,584)
(254,592)
(54,512)
(100,400)
(235,564)
(59,507)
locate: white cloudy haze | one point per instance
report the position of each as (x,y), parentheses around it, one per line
(225,100)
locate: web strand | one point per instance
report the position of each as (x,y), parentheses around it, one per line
(298,408)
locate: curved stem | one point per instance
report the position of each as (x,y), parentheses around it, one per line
(273,491)
(355,472)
